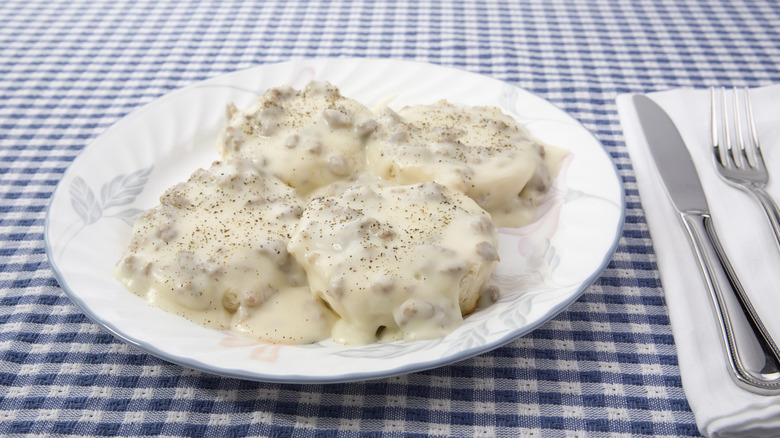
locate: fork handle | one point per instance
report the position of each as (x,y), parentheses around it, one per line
(720,279)
(770,208)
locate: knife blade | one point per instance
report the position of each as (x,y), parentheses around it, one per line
(681,182)
(671,156)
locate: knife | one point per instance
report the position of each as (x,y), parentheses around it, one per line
(682,184)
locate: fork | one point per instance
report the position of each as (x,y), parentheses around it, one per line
(737,151)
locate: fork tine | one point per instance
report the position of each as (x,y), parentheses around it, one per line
(714,131)
(731,159)
(757,157)
(739,139)
(721,140)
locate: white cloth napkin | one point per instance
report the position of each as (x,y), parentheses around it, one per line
(721,408)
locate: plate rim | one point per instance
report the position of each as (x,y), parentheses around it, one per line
(292,378)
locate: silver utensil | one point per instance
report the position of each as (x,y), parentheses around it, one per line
(737,151)
(682,184)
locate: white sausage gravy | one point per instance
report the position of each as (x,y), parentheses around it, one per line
(324,220)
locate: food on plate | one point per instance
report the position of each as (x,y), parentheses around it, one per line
(478,150)
(326,220)
(306,138)
(215,251)
(396,262)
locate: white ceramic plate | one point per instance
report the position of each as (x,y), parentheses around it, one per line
(544,266)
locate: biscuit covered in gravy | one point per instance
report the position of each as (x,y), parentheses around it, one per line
(306,138)
(215,251)
(479,151)
(399,262)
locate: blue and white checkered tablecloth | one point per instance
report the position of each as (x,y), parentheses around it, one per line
(606,366)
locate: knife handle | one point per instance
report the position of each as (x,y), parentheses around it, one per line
(721,278)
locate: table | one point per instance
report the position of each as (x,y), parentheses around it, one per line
(606,366)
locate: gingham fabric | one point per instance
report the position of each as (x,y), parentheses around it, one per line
(606,366)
